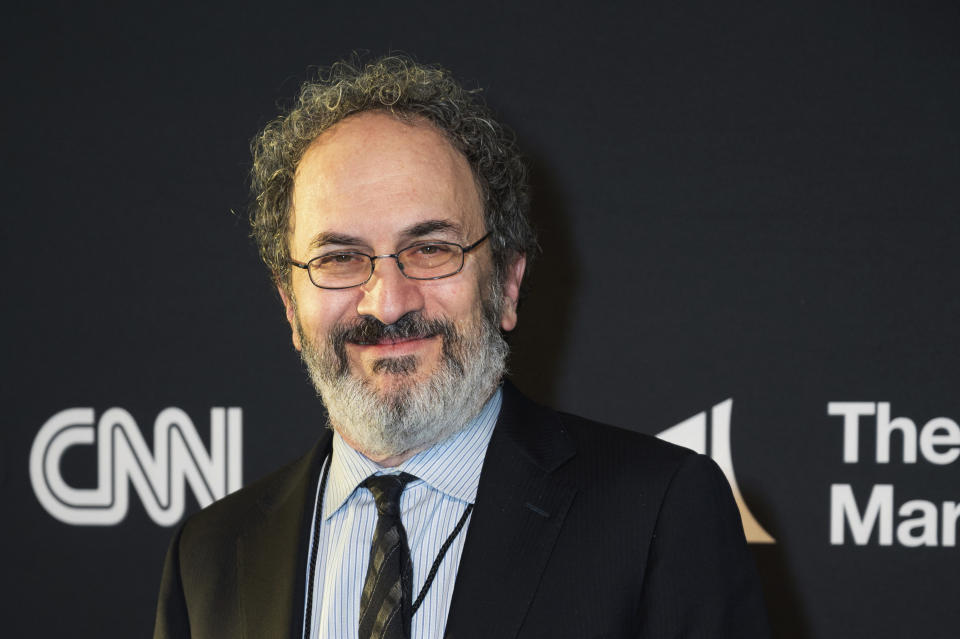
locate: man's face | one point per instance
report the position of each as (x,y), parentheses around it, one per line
(375,185)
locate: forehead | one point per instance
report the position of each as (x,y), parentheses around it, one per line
(371,176)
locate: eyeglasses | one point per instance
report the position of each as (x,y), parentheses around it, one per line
(420,261)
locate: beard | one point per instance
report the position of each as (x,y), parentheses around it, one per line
(412,414)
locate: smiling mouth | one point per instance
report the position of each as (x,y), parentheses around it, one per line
(390,341)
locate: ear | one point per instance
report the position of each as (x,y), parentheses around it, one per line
(511,293)
(291,308)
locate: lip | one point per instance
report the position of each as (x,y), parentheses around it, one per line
(387,347)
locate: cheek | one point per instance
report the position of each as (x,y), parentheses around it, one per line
(320,313)
(460,305)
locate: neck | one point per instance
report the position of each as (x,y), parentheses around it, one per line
(384,461)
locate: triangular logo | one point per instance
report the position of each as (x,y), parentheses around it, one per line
(696,434)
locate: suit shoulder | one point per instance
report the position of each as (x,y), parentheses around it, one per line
(234,511)
(598,438)
(612,456)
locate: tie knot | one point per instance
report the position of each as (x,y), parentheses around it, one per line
(386,490)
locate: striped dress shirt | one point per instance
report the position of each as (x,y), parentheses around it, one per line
(448,475)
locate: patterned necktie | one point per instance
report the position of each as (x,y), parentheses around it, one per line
(385,604)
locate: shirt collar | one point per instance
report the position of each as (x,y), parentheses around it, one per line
(452,466)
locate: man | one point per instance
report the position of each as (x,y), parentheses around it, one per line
(391,210)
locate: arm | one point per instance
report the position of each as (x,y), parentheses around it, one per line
(172,618)
(701,581)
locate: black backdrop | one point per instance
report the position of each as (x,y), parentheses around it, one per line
(755,203)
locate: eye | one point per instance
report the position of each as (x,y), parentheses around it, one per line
(428,260)
(431,250)
(338,261)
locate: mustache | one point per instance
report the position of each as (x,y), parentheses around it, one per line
(367,329)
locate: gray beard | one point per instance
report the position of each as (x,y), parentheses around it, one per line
(415,415)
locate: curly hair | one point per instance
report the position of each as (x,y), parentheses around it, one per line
(409,91)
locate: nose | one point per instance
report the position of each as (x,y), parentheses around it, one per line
(388,295)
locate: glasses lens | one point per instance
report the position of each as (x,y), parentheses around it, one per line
(427,261)
(339,270)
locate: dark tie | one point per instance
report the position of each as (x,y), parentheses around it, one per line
(385,604)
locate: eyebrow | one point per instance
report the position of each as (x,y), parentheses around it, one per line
(430,226)
(329,237)
(411,232)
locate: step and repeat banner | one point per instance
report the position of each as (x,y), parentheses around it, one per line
(749,220)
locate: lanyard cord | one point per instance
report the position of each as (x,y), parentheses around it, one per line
(315,543)
(436,562)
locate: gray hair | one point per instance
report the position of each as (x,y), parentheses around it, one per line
(409,91)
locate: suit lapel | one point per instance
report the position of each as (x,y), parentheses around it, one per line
(272,552)
(519,512)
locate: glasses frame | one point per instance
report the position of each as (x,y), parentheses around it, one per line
(373,262)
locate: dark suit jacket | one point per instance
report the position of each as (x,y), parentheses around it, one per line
(580,530)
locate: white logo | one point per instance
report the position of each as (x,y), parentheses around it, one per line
(692,433)
(922,522)
(123,458)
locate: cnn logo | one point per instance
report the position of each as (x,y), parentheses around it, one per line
(179,458)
